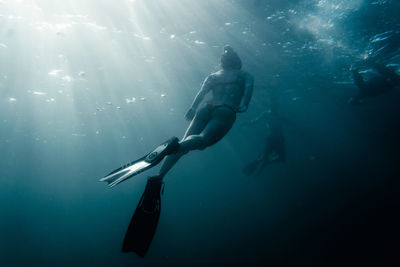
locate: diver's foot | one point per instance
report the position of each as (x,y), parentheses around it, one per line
(171,146)
(152,195)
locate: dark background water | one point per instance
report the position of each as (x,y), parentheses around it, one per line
(86,86)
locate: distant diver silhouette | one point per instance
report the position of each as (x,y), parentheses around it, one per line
(275,148)
(383,80)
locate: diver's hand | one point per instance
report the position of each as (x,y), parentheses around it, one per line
(241,109)
(190,114)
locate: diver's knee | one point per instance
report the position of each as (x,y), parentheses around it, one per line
(206,142)
(193,142)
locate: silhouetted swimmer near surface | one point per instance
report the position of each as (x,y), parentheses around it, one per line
(382,81)
(230,91)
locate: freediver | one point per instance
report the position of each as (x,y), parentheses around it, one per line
(382,81)
(231,90)
(275,148)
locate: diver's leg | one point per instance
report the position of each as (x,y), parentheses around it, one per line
(196,126)
(264,162)
(279,148)
(359,82)
(265,158)
(221,122)
(216,128)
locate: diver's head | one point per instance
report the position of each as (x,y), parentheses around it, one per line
(229,59)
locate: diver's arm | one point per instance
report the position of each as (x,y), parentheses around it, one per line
(205,88)
(248,92)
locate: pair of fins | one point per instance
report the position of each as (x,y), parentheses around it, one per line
(144,221)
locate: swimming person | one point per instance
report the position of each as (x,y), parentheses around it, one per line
(231,90)
(383,80)
(275,147)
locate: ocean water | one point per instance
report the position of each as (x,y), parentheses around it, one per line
(87,86)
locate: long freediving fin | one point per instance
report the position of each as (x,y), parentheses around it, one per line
(144,221)
(135,167)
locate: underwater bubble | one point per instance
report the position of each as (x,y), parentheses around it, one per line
(343,82)
(12,99)
(379,2)
(54,72)
(36,92)
(130,100)
(145,38)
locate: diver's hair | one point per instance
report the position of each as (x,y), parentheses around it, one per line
(230,60)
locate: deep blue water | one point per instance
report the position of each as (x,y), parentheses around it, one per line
(86,86)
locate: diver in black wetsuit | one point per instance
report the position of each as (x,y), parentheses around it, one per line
(382,81)
(275,148)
